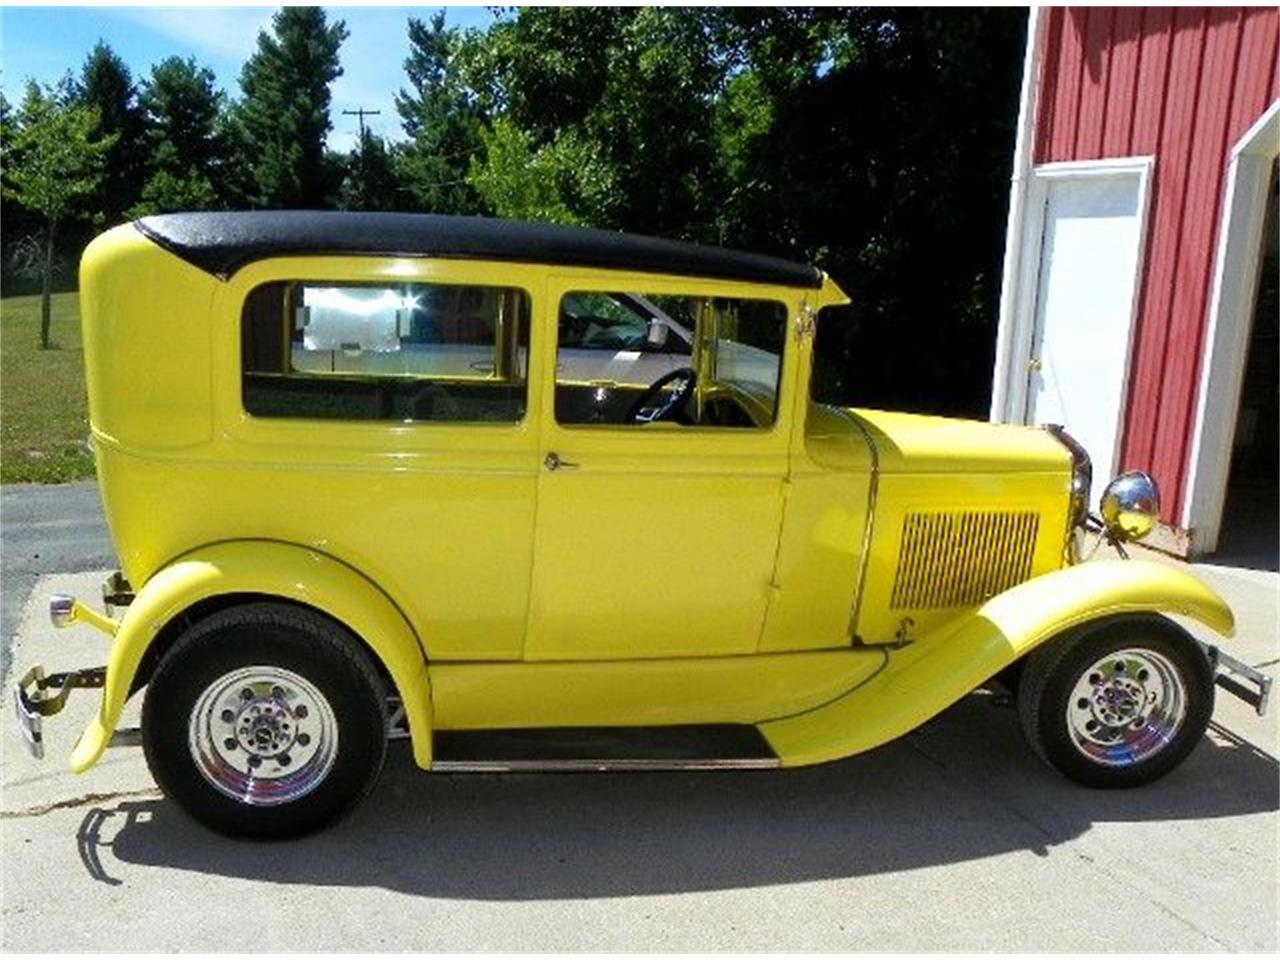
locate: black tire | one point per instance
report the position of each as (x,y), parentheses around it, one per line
(1011,676)
(1048,695)
(274,637)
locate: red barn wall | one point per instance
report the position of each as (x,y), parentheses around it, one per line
(1182,85)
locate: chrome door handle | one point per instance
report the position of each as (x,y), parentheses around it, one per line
(552,461)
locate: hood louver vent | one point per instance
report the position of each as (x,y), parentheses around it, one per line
(962,559)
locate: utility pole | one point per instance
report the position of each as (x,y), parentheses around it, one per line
(360,113)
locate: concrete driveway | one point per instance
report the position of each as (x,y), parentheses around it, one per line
(954,838)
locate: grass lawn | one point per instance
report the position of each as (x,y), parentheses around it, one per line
(44,420)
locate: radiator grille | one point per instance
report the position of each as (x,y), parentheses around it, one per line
(960,559)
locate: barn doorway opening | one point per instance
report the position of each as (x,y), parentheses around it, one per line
(1250,531)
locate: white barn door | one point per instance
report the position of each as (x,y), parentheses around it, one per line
(1084,305)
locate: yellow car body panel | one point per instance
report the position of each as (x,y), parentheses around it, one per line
(746,690)
(260,568)
(927,676)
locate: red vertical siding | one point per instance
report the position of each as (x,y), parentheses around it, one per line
(1094,82)
(1121,87)
(1182,85)
(1155,36)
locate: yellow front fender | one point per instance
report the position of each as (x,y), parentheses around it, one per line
(271,569)
(926,677)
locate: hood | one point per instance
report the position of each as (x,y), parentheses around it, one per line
(910,443)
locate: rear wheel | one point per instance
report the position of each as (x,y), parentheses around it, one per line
(1117,703)
(265,720)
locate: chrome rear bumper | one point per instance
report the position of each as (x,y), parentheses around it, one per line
(37,696)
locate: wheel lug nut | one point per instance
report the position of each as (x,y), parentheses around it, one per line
(283,760)
(277,692)
(230,743)
(246,694)
(228,716)
(300,711)
(303,739)
(1095,678)
(255,761)
(1083,703)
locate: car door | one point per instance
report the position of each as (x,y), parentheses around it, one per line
(653,540)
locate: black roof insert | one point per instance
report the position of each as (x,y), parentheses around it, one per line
(222,243)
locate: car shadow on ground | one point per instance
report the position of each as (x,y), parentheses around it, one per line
(963,787)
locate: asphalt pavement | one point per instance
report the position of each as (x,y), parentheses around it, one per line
(45,529)
(954,838)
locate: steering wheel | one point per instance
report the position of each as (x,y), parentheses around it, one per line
(644,409)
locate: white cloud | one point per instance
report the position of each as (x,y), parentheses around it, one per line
(223,32)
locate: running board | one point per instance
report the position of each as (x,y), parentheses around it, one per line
(603,749)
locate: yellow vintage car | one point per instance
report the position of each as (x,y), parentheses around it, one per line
(373,476)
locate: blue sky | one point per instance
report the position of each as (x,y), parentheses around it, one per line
(45,42)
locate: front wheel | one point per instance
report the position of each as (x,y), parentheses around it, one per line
(1117,703)
(265,720)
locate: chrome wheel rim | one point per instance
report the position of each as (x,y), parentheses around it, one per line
(1127,707)
(263,735)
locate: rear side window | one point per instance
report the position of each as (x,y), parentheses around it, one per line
(406,352)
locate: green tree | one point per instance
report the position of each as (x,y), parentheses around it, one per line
(166,191)
(283,118)
(441,120)
(885,155)
(633,89)
(106,86)
(875,141)
(184,150)
(370,182)
(56,161)
(6,122)
(515,180)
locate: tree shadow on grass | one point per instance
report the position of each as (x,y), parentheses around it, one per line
(962,788)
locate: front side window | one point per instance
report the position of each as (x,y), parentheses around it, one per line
(409,351)
(619,321)
(630,359)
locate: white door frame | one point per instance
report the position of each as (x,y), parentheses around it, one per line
(1009,389)
(1231,305)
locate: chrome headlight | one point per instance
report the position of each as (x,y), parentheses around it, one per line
(1131,506)
(1081,473)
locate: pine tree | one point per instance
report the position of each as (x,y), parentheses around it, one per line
(105,85)
(184,148)
(7,128)
(370,183)
(442,124)
(283,118)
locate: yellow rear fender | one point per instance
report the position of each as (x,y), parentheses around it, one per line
(927,676)
(264,568)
